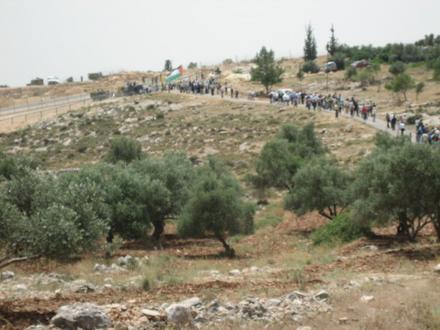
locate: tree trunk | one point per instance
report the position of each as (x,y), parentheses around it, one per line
(230,252)
(159,227)
(7,262)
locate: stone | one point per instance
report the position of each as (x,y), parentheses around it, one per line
(343,320)
(273,302)
(296,295)
(304,328)
(191,302)
(20,287)
(152,314)
(235,272)
(37,327)
(127,261)
(437,269)
(348,128)
(85,316)
(7,275)
(81,286)
(366,299)
(321,295)
(179,315)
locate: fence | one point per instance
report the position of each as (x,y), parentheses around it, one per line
(11,117)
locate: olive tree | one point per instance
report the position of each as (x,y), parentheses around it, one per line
(216,206)
(282,157)
(395,184)
(124,149)
(319,185)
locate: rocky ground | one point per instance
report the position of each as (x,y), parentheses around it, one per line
(280,280)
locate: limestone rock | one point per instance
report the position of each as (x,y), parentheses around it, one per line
(179,315)
(85,316)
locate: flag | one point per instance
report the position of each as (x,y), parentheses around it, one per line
(176,74)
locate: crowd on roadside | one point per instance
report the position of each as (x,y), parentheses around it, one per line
(367,110)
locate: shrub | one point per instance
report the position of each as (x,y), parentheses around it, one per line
(397,68)
(350,73)
(339,59)
(436,70)
(341,230)
(310,67)
(216,206)
(123,149)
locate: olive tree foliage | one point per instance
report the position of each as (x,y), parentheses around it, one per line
(123,149)
(401,83)
(397,184)
(319,185)
(216,206)
(13,166)
(267,71)
(47,216)
(175,173)
(281,158)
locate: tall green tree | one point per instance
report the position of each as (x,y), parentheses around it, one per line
(310,52)
(332,45)
(267,72)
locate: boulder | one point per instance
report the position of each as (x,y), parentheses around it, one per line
(85,316)
(437,269)
(179,315)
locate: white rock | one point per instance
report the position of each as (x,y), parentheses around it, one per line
(235,272)
(437,268)
(20,287)
(366,299)
(152,314)
(304,328)
(7,275)
(191,302)
(273,302)
(179,315)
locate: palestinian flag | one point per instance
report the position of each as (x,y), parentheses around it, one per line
(176,74)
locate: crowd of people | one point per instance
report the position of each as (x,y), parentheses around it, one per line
(314,102)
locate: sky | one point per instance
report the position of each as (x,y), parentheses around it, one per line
(63,38)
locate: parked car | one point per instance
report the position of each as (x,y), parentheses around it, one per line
(330,67)
(360,64)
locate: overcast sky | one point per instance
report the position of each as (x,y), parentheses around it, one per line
(72,37)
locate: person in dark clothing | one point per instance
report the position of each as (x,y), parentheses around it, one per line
(232,93)
(236,94)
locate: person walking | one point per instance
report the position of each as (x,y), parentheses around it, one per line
(402,128)
(388,119)
(393,122)
(373,113)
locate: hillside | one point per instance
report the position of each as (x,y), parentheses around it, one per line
(280,278)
